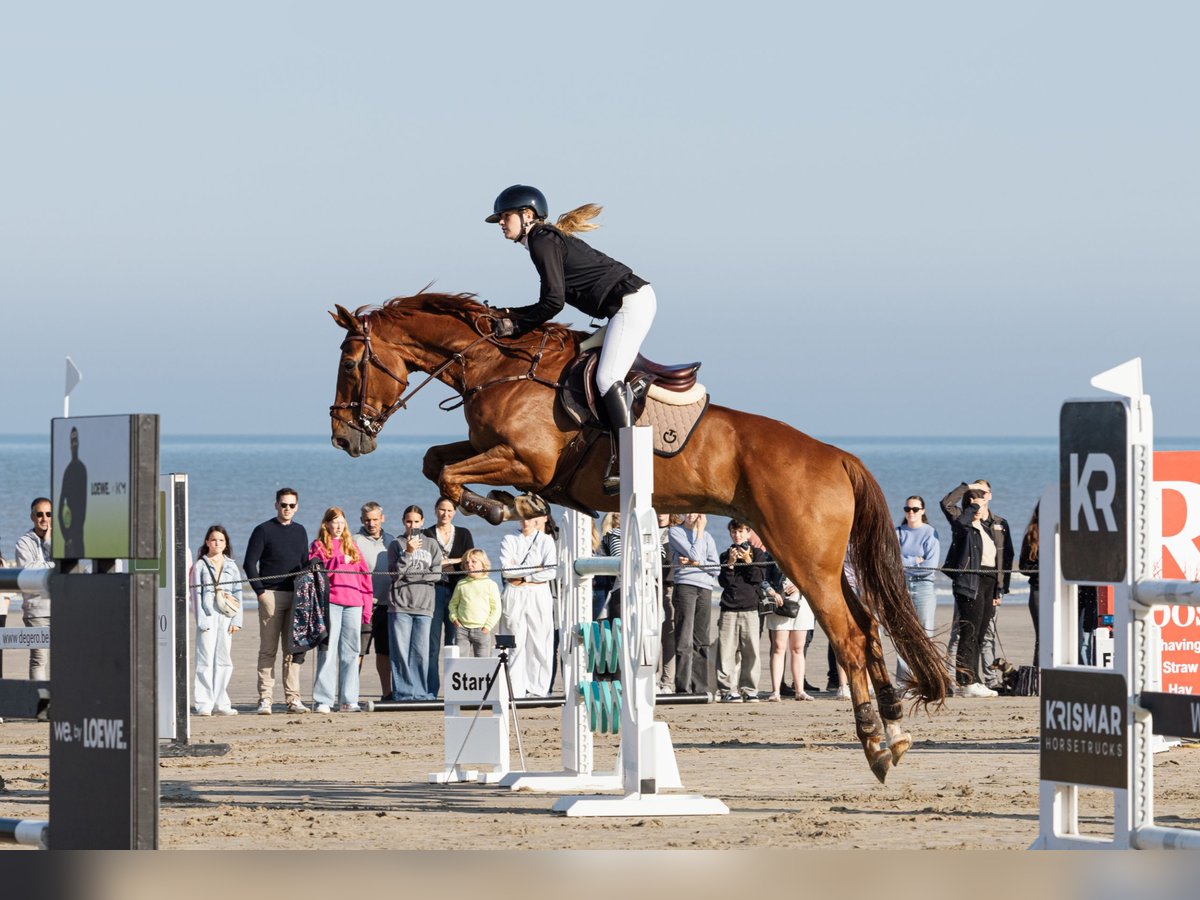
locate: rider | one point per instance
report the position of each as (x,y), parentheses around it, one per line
(575,273)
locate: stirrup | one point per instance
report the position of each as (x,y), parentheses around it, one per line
(611,482)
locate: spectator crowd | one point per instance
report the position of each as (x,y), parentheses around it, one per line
(402,596)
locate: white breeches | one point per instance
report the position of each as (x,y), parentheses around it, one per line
(529,617)
(627,329)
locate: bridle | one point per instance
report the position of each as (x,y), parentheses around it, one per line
(370,419)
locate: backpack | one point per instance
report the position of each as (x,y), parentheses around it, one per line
(310,609)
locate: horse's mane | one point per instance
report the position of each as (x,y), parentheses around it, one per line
(460,306)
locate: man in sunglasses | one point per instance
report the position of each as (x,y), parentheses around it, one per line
(33,552)
(277,550)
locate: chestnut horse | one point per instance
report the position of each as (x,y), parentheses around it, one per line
(809,501)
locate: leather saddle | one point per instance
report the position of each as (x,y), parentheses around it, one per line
(582,400)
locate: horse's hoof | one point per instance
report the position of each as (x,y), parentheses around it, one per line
(881,764)
(899,747)
(529,506)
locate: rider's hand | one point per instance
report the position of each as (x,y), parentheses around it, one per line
(504,328)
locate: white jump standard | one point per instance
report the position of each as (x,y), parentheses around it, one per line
(647,759)
(1100,526)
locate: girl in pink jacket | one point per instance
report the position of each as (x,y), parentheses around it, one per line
(350,603)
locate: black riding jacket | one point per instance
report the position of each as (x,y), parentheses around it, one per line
(572,272)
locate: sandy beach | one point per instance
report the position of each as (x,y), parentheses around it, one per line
(792,774)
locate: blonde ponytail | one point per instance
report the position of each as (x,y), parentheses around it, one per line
(579,219)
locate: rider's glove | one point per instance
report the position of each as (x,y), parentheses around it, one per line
(504,328)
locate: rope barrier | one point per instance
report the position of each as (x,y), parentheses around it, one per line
(712,569)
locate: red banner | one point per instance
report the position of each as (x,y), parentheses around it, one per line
(1177,480)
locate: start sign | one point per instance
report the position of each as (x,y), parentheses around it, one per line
(1093,490)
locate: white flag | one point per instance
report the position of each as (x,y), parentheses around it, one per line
(73,376)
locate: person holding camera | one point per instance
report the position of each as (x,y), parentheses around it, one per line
(417,562)
(979,564)
(742,571)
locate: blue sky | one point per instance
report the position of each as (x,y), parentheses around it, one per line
(876,218)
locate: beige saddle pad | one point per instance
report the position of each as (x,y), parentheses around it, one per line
(673,416)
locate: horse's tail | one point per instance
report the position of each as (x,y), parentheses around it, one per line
(875,555)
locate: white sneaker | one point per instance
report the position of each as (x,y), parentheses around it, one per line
(202,712)
(843,693)
(299,708)
(731,698)
(264,707)
(229,711)
(350,707)
(750,698)
(322,708)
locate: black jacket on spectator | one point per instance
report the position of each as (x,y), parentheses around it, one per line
(739,585)
(966,545)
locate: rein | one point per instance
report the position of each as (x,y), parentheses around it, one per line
(371,420)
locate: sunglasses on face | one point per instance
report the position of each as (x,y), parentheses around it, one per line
(43,515)
(287,505)
(913,508)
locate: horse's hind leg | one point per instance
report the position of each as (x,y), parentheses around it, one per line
(852,648)
(890,709)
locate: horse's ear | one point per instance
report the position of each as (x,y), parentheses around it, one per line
(345,318)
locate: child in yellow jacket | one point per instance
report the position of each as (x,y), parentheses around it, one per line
(475,606)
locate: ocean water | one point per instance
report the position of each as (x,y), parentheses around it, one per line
(232,479)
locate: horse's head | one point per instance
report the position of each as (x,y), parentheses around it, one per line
(369,386)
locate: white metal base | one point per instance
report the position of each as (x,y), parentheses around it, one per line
(642,805)
(561,782)
(462,776)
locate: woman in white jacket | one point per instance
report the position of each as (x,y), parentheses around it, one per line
(214,569)
(529,560)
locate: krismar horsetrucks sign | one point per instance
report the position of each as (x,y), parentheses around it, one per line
(1084,716)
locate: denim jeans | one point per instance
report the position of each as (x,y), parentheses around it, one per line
(923,598)
(409,651)
(472,642)
(39,659)
(439,624)
(336,677)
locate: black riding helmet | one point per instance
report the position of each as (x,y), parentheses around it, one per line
(519,196)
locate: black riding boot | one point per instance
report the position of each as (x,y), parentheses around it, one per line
(618,404)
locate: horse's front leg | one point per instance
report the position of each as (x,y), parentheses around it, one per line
(442,455)
(498,466)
